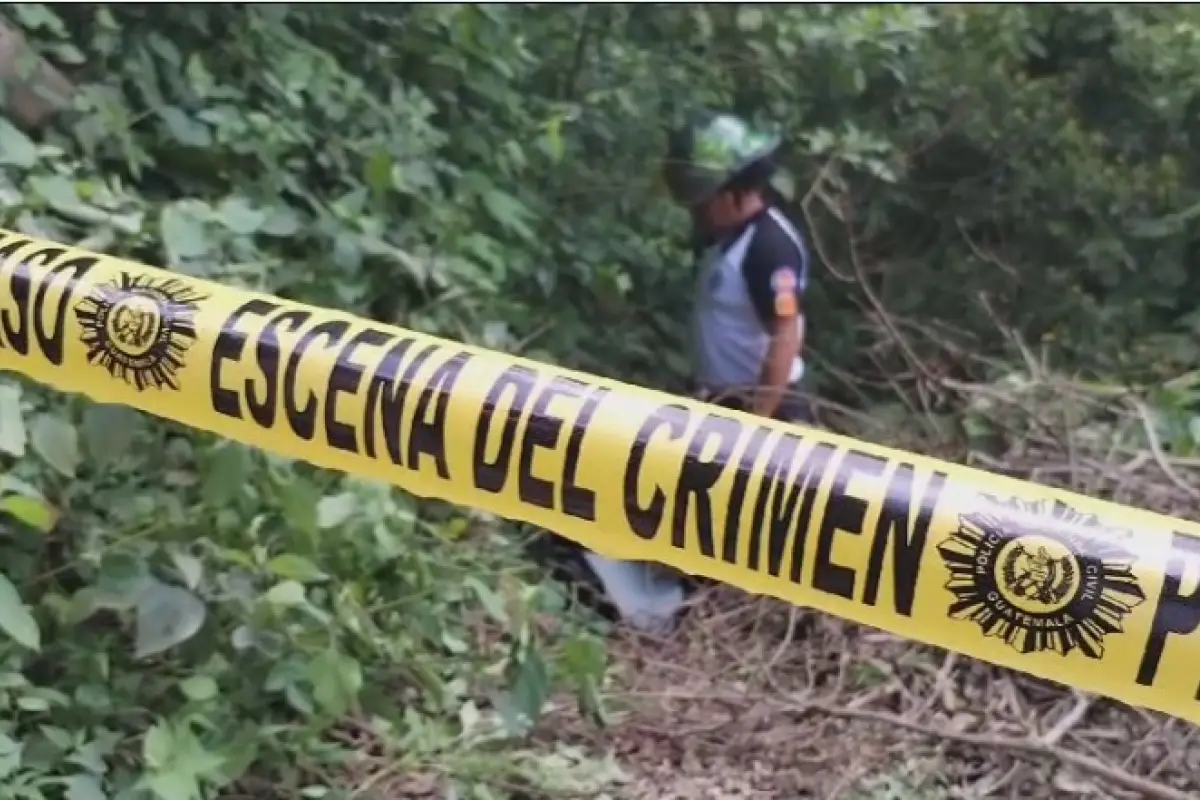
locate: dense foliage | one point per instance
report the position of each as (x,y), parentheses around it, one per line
(183,615)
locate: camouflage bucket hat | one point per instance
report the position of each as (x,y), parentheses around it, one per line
(704,156)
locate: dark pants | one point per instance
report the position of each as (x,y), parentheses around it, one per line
(793,408)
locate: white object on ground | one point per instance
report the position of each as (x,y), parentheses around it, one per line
(645,595)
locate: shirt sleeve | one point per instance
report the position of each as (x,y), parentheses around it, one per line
(775,269)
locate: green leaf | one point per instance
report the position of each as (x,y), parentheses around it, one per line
(109,431)
(528,692)
(750,19)
(335,509)
(508,211)
(584,661)
(296,568)
(83,787)
(30,511)
(281,221)
(158,745)
(16,149)
(92,756)
(15,618)
(58,737)
(184,128)
(554,140)
(17,486)
(10,756)
(298,499)
(34,704)
(584,657)
(336,680)
(123,575)
(199,688)
(492,603)
(191,569)
(243,638)
(178,760)
(60,193)
(182,233)
(166,616)
(378,171)
(38,17)
(226,473)
(239,216)
(784,183)
(174,785)
(56,442)
(287,593)
(13,436)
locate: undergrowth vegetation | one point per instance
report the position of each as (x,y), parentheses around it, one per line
(999,196)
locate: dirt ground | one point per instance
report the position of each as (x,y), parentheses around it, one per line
(732,706)
(754,700)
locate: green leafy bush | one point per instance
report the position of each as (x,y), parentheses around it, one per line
(179,611)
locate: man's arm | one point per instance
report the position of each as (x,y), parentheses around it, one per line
(776,269)
(786,343)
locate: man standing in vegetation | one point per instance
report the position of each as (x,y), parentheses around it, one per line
(748,324)
(748,321)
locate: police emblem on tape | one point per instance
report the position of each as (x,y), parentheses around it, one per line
(1040,576)
(139,328)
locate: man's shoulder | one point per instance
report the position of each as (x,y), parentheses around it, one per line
(776,226)
(776,239)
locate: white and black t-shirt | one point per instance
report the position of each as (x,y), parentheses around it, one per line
(735,304)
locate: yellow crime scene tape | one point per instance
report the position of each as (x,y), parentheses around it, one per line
(1066,587)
